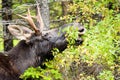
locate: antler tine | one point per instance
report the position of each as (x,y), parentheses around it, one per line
(39,18)
(31,22)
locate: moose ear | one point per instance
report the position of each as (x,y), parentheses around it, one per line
(20,32)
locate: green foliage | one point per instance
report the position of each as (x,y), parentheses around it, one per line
(71,34)
(31,73)
(15,42)
(41,74)
(1,39)
(90,11)
(55,13)
(99,42)
(1,44)
(106,75)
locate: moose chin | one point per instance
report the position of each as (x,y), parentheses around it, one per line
(34,47)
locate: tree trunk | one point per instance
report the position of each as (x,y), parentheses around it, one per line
(6,16)
(65,7)
(44,8)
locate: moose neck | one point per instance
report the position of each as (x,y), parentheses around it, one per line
(34,54)
(21,56)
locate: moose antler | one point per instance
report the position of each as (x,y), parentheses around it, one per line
(29,19)
(31,22)
(20,32)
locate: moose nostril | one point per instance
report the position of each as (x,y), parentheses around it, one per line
(81,30)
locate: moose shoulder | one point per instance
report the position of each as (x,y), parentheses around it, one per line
(34,48)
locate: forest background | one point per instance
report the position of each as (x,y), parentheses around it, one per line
(98,58)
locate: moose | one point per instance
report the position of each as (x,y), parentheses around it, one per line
(34,47)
